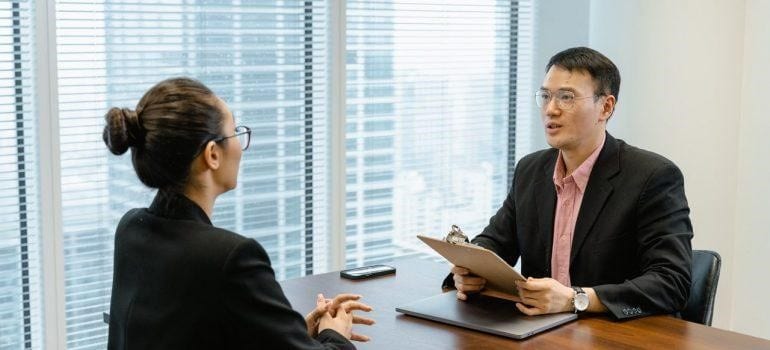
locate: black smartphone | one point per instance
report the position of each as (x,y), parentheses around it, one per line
(367,271)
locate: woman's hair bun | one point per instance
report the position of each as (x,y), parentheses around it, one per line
(122,130)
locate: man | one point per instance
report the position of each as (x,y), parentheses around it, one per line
(599,225)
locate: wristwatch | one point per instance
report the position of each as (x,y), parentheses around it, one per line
(580,300)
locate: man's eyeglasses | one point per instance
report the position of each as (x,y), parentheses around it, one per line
(243,133)
(564,99)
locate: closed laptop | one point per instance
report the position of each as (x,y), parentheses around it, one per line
(484,313)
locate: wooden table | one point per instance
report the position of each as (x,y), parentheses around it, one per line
(418,278)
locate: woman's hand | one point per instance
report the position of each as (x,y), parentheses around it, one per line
(337,314)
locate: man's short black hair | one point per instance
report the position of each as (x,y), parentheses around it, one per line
(601,69)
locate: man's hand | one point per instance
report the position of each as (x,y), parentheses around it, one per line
(544,296)
(465,282)
(347,303)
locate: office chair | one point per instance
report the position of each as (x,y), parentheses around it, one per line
(705,277)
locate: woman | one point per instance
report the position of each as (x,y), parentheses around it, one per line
(179,282)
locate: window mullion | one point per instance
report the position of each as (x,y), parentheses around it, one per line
(50,176)
(337,110)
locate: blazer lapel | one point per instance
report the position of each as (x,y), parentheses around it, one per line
(545,198)
(597,192)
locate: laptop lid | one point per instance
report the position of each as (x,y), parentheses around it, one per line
(484,313)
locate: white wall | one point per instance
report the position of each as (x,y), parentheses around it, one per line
(554,31)
(693,74)
(751,261)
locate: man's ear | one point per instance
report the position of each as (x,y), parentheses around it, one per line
(212,155)
(608,107)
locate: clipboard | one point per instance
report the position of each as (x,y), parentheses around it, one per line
(481,261)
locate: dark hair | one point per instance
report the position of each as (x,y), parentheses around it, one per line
(172,122)
(601,69)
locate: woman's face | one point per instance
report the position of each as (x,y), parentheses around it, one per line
(231,160)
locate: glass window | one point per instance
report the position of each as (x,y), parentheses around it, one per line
(430,83)
(254,56)
(427,145)
(20,235)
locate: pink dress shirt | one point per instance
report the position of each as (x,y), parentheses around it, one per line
(569,196)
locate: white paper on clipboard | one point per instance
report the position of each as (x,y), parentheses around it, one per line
(480,261)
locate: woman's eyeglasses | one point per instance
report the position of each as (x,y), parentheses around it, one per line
(243,133)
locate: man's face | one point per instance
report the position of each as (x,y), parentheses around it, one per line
(576,128)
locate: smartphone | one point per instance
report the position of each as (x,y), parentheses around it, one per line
(367,271)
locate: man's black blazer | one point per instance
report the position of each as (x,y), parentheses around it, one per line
(632,236)
(181,283)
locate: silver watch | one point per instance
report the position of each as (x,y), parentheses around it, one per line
(580,300)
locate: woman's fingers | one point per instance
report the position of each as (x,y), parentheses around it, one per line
(359,337)
(320,307)
(350,306)
(339,300)
(313,317)
(362,320)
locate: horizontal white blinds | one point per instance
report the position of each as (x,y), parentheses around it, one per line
(265,59)
(430,130)
(20,306)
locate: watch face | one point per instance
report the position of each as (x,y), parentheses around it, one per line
(581,302)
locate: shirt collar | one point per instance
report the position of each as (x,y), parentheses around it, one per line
(173,205)
(581,174)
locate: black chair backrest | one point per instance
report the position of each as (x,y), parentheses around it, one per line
(705,277)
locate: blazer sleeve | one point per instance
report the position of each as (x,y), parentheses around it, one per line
(664,234)
(261,315)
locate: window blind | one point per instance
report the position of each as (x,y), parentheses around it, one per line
(20,280)
(265,59)
(431,113)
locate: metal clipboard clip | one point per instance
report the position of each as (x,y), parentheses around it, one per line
(456,236)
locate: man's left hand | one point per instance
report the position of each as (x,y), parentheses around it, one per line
(544,296)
